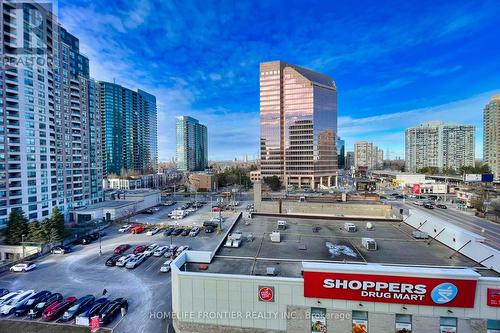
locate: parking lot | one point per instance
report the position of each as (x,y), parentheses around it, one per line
(83,271)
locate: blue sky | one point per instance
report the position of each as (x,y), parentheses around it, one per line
(395,63)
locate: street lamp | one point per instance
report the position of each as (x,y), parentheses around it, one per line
(22,242)
(99,233)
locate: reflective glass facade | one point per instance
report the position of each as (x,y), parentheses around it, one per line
(298,118)
(191,144)
(129,129)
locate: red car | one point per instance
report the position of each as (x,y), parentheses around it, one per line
(121,248)
(139,249)
(216,209)
(57,309)
(137,229)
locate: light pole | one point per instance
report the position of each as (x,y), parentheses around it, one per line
(22,242)
(100,242)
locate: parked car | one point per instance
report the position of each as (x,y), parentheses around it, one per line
(8,307)
(185,232)
(150,249)
(107,314)
(95,308)
(122,261)
(217,219)
(418,203)
(136,261)
(137,229)
(194,232)
(34,300)
(124,228)
(160,251)
(139,249)
(38,309)
(61,249)
(170,251)
(168,231)
(23,267)
(177,231)
(153,231)
(7,297)
(112,260)
(181,249)
(165,267)
(3,292)
(56,310)
(85,240)
(81,305)
(215,209)
(428,205)
(442,206)
(209,229)
(121,248)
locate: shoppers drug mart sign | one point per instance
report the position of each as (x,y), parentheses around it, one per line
(390,289)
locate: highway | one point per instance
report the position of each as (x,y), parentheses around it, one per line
(489,230)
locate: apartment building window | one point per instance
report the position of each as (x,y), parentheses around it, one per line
(359,321)
(403,323)
(447,325)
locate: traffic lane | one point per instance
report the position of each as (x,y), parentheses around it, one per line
(466,222)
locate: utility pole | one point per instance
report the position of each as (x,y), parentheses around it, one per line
(22,242)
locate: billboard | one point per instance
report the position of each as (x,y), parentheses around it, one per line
(390,289)
(416,189)
(493,297)
(477,178)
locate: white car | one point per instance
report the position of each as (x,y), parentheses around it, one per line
(136,261)
(418,203)
(7,307)
(124,228)
(181,249)
(165,267)
(5,298)
(124,259)
(194,232)
(153,231)
(150,249)
(23,267)
(217,219)
(160,251)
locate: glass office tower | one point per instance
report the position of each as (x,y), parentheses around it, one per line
(298,123)
(129,129)
(191,144)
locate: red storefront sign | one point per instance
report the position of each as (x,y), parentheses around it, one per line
(416,188)
(94,324)
(266,294)
(390,289)
(493,297)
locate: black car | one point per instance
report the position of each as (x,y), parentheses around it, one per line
(112,260)
(441,206)
(185,232)
(81,305)
(85,240)
(3,291)
(95,308)
(107,314)
(38,309)
(209,230)
(210,224)
(168,231)
(177,231)
(39,297)
(95,235)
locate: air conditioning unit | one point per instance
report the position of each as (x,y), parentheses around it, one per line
(369,243)
(350,227)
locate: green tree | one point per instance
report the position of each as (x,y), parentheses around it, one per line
(17,226)
(478,169)
(429,170)
(57,223)
(273,182)
(36,232)
(45,227)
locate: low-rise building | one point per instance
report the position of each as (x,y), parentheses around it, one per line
(202,182)
(120,204)
(330,279)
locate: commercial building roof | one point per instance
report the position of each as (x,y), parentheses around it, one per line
(316,240)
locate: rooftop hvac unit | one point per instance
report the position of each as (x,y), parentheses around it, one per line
(369,226)
(272,271)
(420,234)
(275,237)
(350,227)
(369,243)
